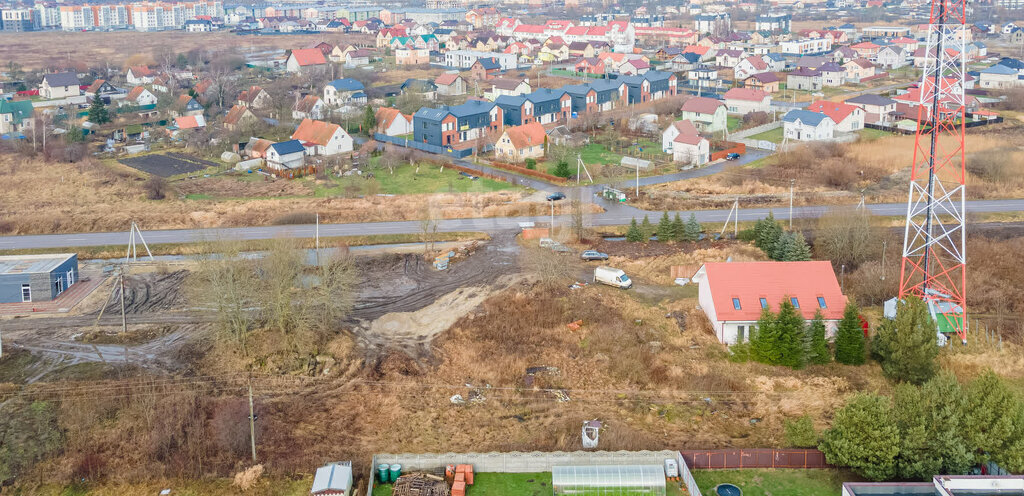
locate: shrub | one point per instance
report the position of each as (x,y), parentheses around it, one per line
(562,170)
(156,188)
(906,346)
(531,163)
(864,437)
(294,218)
(800,433)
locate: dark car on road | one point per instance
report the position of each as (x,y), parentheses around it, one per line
(732,156)
(556,196)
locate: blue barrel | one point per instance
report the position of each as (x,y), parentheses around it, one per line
(396,471)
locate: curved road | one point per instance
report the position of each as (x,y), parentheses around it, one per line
(616,214)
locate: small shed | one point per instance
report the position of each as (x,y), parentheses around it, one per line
(333,479)
(635,163)
(608,480)
(28,278)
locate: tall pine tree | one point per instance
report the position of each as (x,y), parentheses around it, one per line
(762,338)
(850,337)
(792,247)
(98,112)
(906,345)
(678,228)
(817,344)
(647,229)
(665,229)
(693,229)
(789,332)
(634,234)
(767,232)
(369,120)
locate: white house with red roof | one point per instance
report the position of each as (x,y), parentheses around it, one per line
(745,100)
(848,117)
(733,294)
(304,58)
(749,66)
(686,145)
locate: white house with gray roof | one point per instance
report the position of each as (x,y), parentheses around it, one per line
(60,85)
(804,125)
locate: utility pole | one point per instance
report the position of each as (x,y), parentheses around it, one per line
(791,183)
(124,318)
(552,233)
(252,423)
(318,238)
(637,181)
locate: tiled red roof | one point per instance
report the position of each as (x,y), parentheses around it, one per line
(309,56)
(748,282)
(531,134)
(446,79)
(835,110)
(748,94)
(702,105)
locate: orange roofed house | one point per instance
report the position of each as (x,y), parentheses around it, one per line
(733,294)
(322,138)
(305,58)
(519,143)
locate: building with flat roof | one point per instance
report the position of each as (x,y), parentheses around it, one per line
(27,278)
(942,485)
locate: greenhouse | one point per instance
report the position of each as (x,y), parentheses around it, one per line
(608,480)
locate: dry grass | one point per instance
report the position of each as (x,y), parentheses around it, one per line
(94,48)
(95,196)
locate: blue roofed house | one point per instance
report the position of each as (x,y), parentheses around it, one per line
(1000,77)
(583,96)
(649,86)
(457,125)
(804,125)
(15,117)
(344,91)
(286,155)
(611,93)
(544,106)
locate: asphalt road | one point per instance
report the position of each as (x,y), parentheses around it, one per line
(616,214)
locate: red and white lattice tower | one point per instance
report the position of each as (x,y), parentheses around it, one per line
(934,259)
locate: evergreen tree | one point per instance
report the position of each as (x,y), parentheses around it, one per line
(817,345)
(665,230)
(850,337)
(931,423)
(647,229)
(766,235)
(693,229)
(678,228)
(182,61)
(906,345)
(562,169)
(789,332)
(98,112)
(792,247)
(634,234)
(864,437)
(762,339)
(369,120)
(991,421)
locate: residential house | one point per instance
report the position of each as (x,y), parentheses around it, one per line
(891,57)
(703,77)
(554,52)
(459,125)
(807,46)
(590,66)
(877,108)
(420,87)
(583,97)
(256,148)
(543,105)
(519,143)
(812,61)
(485,68)
(858,70)
(60,85)
(392,122)
(999,77)
(358,58)
(343,92)
(804,79)
(844,54)
(729,58)
(733,294)
(742,101)
(866,49)
(708,115)
(189,122)
(582,49)
(804,125)
(162,84)
(255,98)
(286,155)
(450,84)
(140,96)
(339,53)
(303,59)
(322,138)
(611,94)
(922,55)
(239,116)
(846,116)
(186,105)
(510,87)
(908,103)
(832,74)
(767,82)
(139,75)
(684,62)
(633,67)
(309,107)
(776,62)
(684,143)
(15,117)
(649,86)
(100,87)
(748,67)
(484,16)
(412,56)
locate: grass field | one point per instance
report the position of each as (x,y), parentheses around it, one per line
(495,484)
(407,181)
(595,153)
(769,482)
(773,135)
(733,123)
(872,134)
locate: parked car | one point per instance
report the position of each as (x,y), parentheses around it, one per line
(593,255)
(612,277)
(732,156)
(560,248)
(556,196)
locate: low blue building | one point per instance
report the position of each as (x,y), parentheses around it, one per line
(28,278)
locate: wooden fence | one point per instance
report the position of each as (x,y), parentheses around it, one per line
(754,458)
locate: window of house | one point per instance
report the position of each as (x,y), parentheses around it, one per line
(26,293)
(821,302)
(795,302)
(736,303)
(764,302)
(71,277)
(740,331)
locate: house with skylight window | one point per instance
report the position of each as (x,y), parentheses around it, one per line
(733,294)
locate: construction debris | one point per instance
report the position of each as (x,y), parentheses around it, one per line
(421,485)
(575,325)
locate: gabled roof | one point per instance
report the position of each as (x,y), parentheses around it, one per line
(806,72)
(346,84)
(190,121)
(488,63)
(447,79)
(765,77)
(387,115)
(62,79)
(870,99)
(317,132)
(135,93)
(831,67)
(545,95)
(687,132)
(236,114)
(747,94)
(95,86)
(757,62)
(748,282)
(307,104)
(506,84)
(998,69)
(308,56)
(834,110)
(702,105)
(577,89)
(805,116)
(471,107)
(19,110)
(862,62)
(250,95)
(140,71)
(531,134)
(288,147)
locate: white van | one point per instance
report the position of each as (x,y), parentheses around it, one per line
(612,277)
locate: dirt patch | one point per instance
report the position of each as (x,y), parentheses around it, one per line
(230,187)
(149,293)
(167,165)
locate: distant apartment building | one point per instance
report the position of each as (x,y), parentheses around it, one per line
(142,16)
(775,23)
(464,59)
(807,46)
(712,23)
(18,20)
